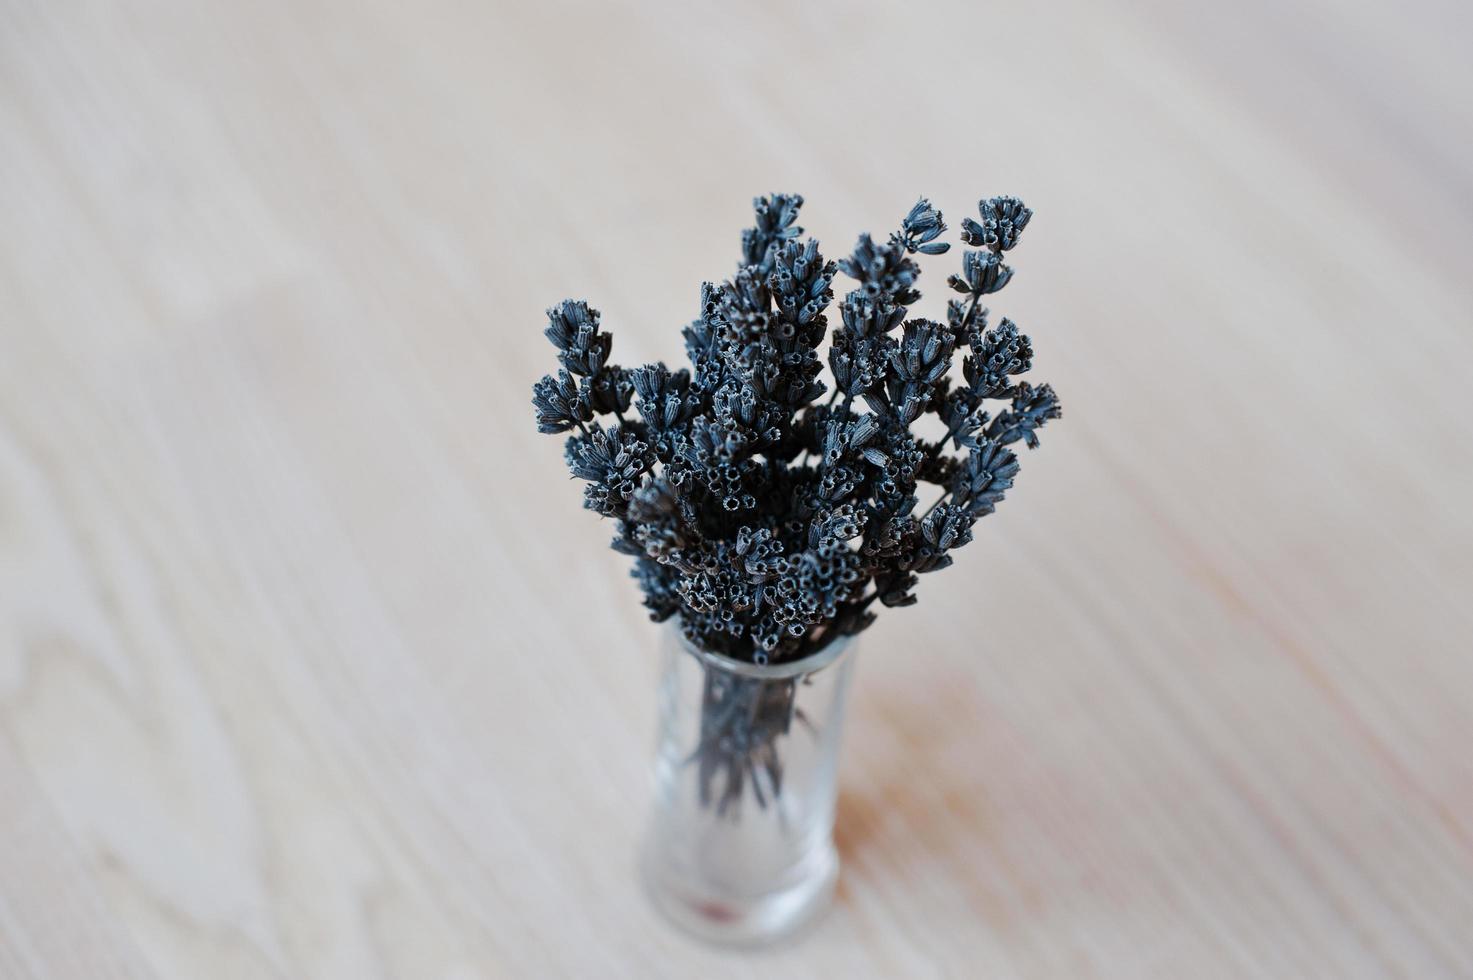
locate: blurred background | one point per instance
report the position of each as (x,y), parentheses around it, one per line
(312,666)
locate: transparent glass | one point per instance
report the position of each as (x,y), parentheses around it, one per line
(740,848)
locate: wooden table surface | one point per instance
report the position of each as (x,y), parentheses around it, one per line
(311,665)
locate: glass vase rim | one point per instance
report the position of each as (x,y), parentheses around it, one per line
(769,672)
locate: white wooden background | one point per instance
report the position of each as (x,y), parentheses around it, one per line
(310,665)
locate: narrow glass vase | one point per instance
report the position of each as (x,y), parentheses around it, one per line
(739,848)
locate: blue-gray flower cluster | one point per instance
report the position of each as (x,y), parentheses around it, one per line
(771,509)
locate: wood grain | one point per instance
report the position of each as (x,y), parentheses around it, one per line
(311,667)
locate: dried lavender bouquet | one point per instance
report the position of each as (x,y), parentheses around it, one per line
(771,510)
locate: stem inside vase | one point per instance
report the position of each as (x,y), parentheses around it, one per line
(740,844)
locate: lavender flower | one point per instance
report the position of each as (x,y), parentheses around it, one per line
(769,509)
(769,516)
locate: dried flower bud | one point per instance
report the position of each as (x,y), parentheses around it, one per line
(610,391)
(983,478)
(573,329)
(924,355)
(775,217)
(982,273)
(885,274)
(1032,407)
(996,357)
(1003,220)
(800,283)
(560,405)
(920,227)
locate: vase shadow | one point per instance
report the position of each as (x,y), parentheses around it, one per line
(925,769)
(1001,821)
(948,804)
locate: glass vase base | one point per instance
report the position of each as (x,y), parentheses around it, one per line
(748,921)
